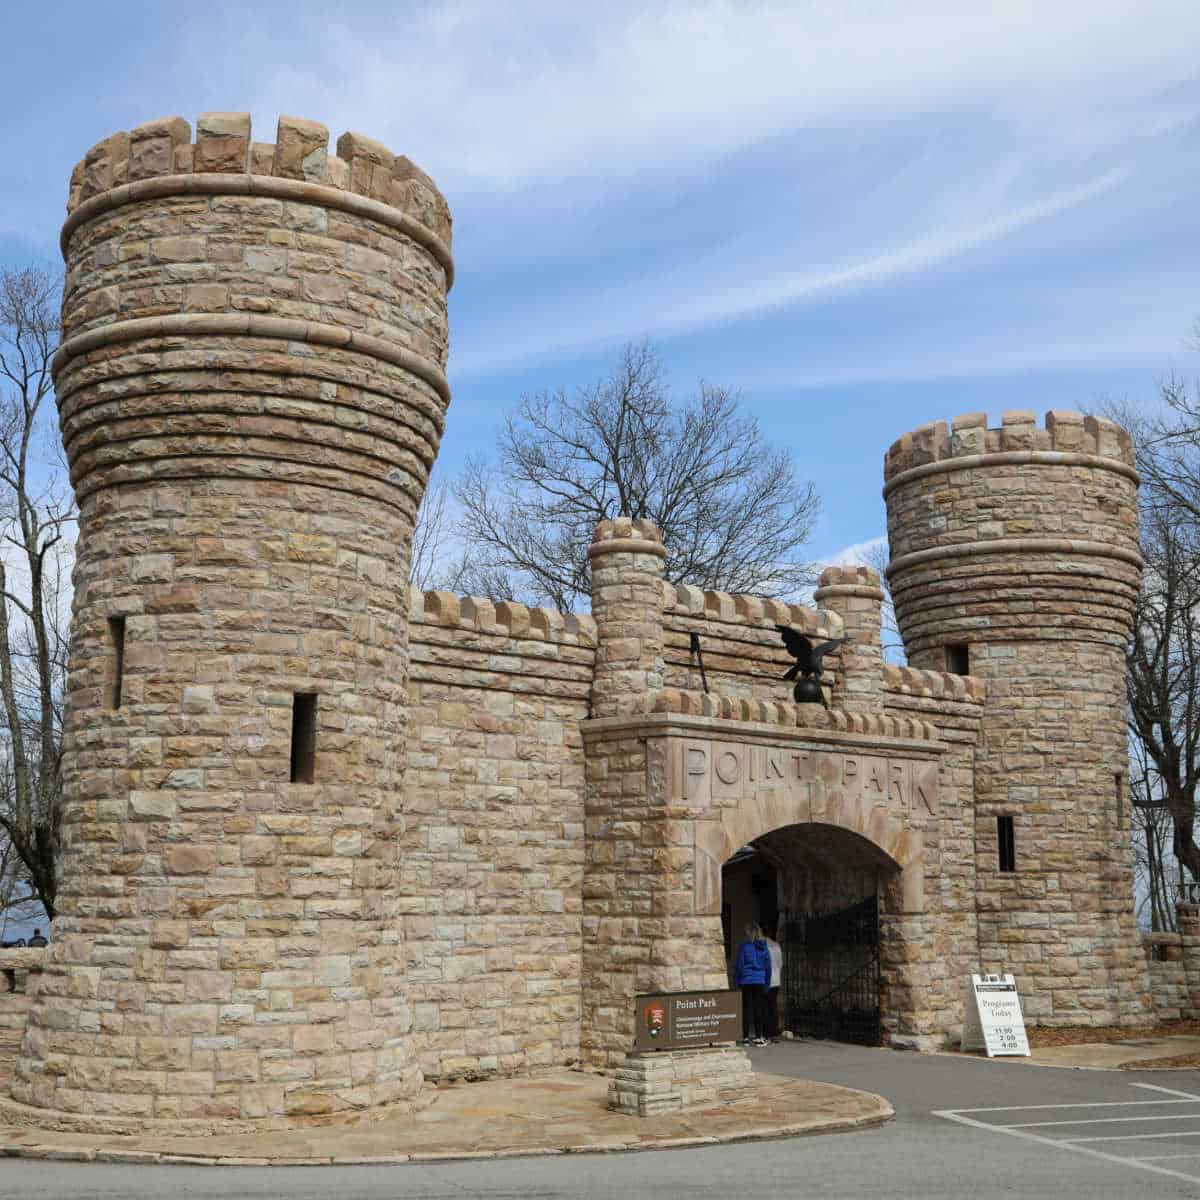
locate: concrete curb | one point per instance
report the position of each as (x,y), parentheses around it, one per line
(1130,1064)
(1020,1061)
(885,1112)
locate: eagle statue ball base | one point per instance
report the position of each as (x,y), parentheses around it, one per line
(808,691)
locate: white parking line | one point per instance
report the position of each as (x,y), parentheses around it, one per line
(1154,1087)
(1103,1120)
(1133,1137)
(963,1116)
(1098,1104)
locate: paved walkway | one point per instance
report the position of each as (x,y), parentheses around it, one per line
(561,1112)
(1135,1053)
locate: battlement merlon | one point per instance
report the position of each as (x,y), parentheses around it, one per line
(159,159)
(933,685)
(503,618)
(1066,438)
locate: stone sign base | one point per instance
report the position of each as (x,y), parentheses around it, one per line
(667,1081)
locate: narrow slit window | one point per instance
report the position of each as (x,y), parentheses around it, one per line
(304,736)
(958,658)
(116,645)
(1007,844)
(1119,792)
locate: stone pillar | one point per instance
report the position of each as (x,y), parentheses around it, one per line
(652,1083)
(855,595)
(1188,918)
(251,395)
(627,604)
(639,925)
(1016,550)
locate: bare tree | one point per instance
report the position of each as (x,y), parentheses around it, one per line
(1154,866)
(438,562)
(1168,446)
(18,902)
(1163,675)
(733,514)
(877,558)
(36,514)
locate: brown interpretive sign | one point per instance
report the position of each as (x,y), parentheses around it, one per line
(680,1020)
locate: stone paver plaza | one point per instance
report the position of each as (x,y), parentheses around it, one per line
(329,840)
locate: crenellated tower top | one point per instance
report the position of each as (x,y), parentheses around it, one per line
(1068,438)
(159,158)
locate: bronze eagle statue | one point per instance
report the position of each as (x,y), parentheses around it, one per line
(808,663)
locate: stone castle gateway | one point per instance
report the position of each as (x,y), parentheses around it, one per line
(327,838)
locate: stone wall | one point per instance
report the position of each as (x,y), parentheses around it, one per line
(492,850)
(19,973)
(1168,975)
(14,1016)
(953,705)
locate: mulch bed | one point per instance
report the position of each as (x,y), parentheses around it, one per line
(1076,1035)
(1180,1062)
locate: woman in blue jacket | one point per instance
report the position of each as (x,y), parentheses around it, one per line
(752,973)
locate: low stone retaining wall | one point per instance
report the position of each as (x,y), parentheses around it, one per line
(1168,977)
(19,969)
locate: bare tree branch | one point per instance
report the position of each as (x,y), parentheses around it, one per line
(1163,659)
(877,558)
(35,516)
(437,562)
(733,514)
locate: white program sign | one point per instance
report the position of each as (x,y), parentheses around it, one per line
(993,1020)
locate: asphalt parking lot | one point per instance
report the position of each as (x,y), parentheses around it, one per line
(964,1127)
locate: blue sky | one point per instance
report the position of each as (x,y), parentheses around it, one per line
(865,216)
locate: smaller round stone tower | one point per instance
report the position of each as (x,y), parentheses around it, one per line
(1014,558)
(251,395)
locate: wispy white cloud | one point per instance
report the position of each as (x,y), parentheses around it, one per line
(858,554)
(627,169)
(506,95)
(715,291)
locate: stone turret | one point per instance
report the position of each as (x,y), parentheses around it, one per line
(627,604)
(1014,556)
(854,594)
(251,394)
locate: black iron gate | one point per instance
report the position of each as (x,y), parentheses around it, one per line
(831,974)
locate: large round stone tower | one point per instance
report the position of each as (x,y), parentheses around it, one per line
(251,394)
(1014,557)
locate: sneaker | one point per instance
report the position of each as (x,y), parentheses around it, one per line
(760,1041)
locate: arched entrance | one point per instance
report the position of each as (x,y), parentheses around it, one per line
(818,889)
(663,823)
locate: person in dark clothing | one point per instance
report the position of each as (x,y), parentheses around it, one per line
(37,939)
(752,973)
